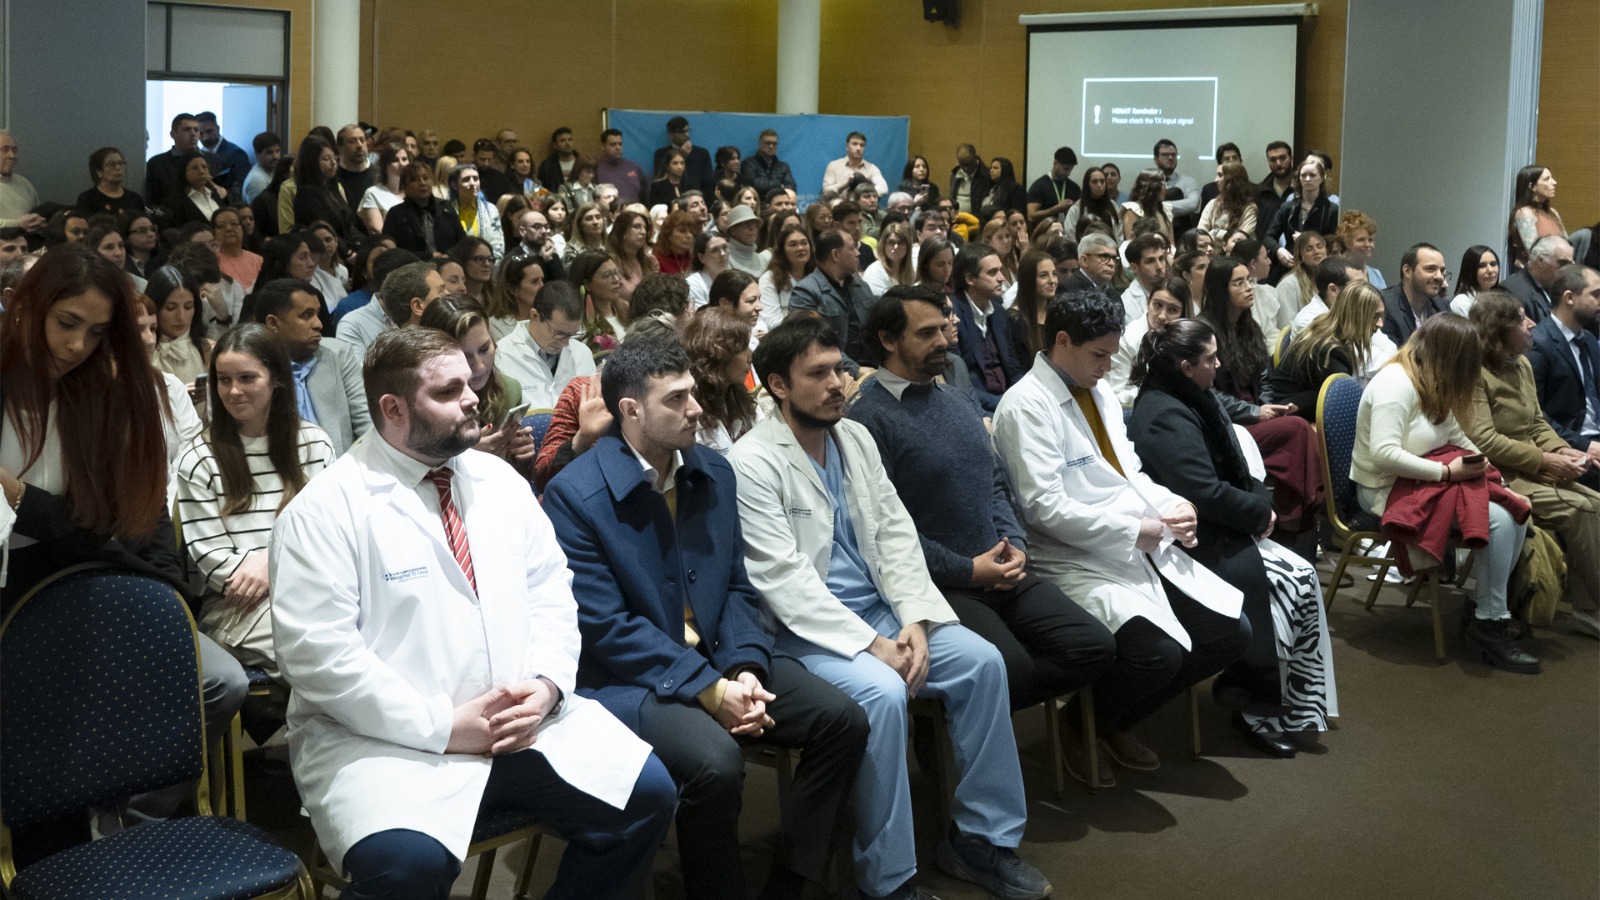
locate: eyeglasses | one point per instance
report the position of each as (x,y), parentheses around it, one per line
(483,259)
(609,274)
(1111,256)
(114,163)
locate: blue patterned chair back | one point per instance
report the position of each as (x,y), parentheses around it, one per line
(1336,421)
(539,421)
(102,694)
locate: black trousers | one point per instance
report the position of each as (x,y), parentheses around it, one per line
(828,727)
(1152,668)
(1050,645)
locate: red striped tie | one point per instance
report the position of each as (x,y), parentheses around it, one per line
(454,530)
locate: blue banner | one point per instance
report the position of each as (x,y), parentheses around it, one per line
(806,143)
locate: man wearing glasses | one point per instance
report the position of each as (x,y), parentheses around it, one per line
(1097,261)
(1182,190)
(533,232)
(543,355)
(763,170)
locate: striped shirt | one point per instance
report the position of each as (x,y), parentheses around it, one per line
(218,544)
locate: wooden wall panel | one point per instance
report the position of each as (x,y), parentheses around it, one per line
(969,84)
(473,67)
(1569,108)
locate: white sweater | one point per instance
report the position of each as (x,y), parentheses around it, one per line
(1393,436)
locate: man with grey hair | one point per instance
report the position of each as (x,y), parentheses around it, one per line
(1097,259)
(900,202)
(1532,285)
(17,196)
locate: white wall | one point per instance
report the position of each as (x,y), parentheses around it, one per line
(1439,114)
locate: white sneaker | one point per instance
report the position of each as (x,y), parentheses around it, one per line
(1585,623)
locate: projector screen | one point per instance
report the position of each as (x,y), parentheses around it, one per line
(1110,91)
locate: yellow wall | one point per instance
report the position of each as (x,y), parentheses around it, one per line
(969,84)
(470,68)
(1569,108)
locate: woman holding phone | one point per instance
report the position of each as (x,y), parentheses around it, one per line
(1407,412)
(233,480)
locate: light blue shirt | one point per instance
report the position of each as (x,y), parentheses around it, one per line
(302,389)
(848,577)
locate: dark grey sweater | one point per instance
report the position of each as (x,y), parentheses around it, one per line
(936,451)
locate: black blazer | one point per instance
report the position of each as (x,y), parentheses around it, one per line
(181,211)
(409,224)
(980,187)
(1078,281)
(1535,302)
(62,542)
(1559,379)
(1398,319)
(970,338)
(1299,381)
(1323,219)
(1230,516)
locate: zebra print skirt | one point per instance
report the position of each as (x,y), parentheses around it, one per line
(1305,653)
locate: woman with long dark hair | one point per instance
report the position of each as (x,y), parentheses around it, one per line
(668,183)
(629,242)
(384,194)
(1532,216)
(478,217)
(1146,199)
(141,243)
(1411,409)
(1004,191)
(791,261)
(1288,444)
(1234,208)
(315,194)
(182,349)
(1283,682)
(718,344)
(83,459)
(1095,210)
(234,479)
(1480,271)
(917,180)
(605,313)
(1037,281)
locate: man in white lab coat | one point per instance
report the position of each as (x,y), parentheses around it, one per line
(1106,534)
(423,618)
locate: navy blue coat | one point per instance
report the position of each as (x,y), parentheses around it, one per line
(969,337)
(633,569)
(1559,380)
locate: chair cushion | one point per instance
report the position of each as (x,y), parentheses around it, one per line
(203,858)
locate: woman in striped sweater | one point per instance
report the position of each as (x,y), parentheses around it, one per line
(236,477)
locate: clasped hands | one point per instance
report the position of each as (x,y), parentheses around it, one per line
(502,720)
(1182,519)
(907,655)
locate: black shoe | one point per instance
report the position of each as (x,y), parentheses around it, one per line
(1272,743)
(998,870)
(1498,648)
(1230,693)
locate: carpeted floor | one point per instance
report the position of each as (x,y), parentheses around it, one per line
(1440,782)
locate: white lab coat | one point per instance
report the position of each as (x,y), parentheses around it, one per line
(1083,516)
(380,636)
(786,514)
(518,357)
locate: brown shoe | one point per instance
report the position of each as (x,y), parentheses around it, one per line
(1075,756)
(1128,753)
